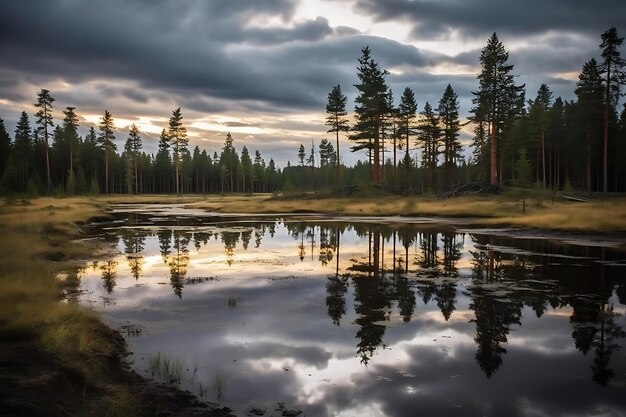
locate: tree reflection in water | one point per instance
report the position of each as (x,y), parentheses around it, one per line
(109,273)
(391,267)
(179,261)
(134,243)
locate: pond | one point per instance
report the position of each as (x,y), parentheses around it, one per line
(365,316)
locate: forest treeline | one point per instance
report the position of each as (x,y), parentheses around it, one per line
(544,141)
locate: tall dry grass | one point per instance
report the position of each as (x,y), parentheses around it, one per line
(533,212)
(56,357)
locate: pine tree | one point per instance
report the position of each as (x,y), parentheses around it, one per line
(497,99)
(259,170)
(70,133)
(105,141)
(5,146)
(44,119)
(311,161)
(448,111)
(22,150)
(590,100)
(133,150)
(429,135)
(327,153)
(335,119)
(407,112)
(89,155)
(539,110)
(178,140)
(247,170)
(163,163)
(301,154)
(371,107)
(614,69)
(230,160)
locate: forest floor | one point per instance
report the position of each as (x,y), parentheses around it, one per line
(58,359)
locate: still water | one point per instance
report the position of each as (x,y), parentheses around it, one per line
(371,317)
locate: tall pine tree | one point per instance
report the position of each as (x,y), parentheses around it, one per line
(538,113)
(105,140)
(448,111)
(590,100)
(22,151)
(371,107)
(497,99)
(71,139)
(613,68)
(407,112)
(178,140)
(5,146)
(429,135)
(133,150)
(336,117)
(44,119)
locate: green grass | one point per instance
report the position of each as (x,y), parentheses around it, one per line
(165,368)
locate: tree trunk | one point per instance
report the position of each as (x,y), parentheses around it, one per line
(493,179)
(543,155)
(588,158)
(48,183)
(338,181)
(394,156)
(376,161)
(106,170)
(605,153)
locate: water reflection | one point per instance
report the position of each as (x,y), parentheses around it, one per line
(133,247)
(179,261)
(109,273)
(419,300)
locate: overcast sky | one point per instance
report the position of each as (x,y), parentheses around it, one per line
(262,69)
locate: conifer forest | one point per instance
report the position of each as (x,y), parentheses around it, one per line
(520,138)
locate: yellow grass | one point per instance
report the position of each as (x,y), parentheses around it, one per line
(601,216)
(48,346)
(608,216)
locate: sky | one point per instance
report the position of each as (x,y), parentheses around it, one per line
(262,69)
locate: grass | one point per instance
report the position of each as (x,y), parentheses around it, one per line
(57,358)
(165,368)
(505,209)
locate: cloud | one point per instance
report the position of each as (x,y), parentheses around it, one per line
(260,57)
(478,19)
(221,57)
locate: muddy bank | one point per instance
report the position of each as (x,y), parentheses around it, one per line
(33,384)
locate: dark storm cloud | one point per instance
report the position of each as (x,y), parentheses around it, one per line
(439,19)
(310,30)
(169,44)
(189,49)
